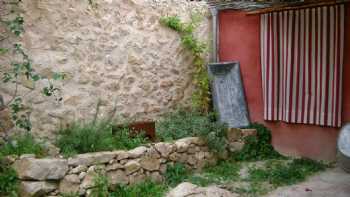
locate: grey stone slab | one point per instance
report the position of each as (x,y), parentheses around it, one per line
(228,94)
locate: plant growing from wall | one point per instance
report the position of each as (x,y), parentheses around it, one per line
(22,144)
(20,67)
(184,123)
(97,135)
(8,180)
(201,96)
(258,147)
(100,188)
(92,3)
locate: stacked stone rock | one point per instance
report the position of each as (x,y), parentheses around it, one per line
(236,138)
(52,177)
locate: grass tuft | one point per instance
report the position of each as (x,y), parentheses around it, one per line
(8,180)
(184,123)
(176,174)
(286,173)
(258,147)
(96,136)
(22,144)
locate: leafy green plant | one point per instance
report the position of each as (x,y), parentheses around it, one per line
(175,174)
(144,189)
(258,147)
(83,138)
(223,171)
(282,173)
(95,136)
(92,3)
(201,96)
(100,188)
(22,144)
(184,123)
(8,180)
(123,139)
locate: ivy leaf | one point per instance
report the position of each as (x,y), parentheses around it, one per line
(16,25)
(58,76)
(16,105)
(6,78)
(3,51)
(50,90)
(35,77)
(46,91)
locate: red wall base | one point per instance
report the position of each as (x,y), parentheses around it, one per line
(240,41)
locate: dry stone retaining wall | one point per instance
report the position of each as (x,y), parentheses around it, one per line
(53,177)
(118,53)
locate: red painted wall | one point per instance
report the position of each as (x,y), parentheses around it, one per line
(239,40)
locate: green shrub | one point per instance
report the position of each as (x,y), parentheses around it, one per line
(144,189)
(224,170)
(100,188)
(176,174)
(95,136)
(123,139)
(258,147)
(8,180)
(22,144)
(282,173)
(183,123)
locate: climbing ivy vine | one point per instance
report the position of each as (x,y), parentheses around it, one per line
(20,67)
(201,96)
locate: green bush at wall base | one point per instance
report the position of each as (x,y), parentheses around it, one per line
(8,180)
(185,123)
(258,147)
(279,174)
(22,144)
(96,136)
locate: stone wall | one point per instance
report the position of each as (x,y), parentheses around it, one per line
(52,177)
(117,53)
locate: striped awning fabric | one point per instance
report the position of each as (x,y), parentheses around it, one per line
(302,63)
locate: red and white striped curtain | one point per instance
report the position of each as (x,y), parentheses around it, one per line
(302,63)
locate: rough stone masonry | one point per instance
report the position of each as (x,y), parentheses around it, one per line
(118,53)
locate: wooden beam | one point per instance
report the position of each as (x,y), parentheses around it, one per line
(297,6)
